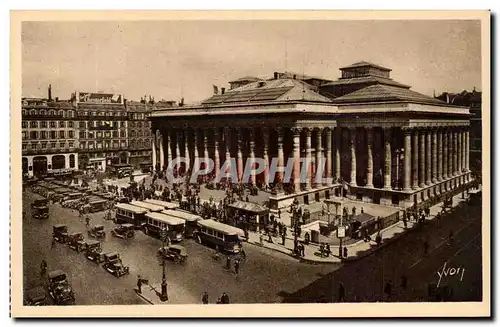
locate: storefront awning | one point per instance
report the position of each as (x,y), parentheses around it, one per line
(249,207)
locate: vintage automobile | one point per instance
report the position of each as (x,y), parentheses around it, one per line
(60,289)
(60,233)
(175,252)
(114,265)
(93,251)
(76,241)
(97,231)
(35,297)
(124,231)
(41,212)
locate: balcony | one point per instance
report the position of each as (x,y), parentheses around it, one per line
(40,151)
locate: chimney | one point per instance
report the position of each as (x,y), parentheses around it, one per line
(222,90)
(50,92)
(57,99)
(275,75)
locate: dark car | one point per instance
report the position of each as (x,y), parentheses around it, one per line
(114,265)
(124,231)
(60,233)
(175,252)
(60,289)
(35,297)
(97,231)
(76,241)
(41,212)
(93,251)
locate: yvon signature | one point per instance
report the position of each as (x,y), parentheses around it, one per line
(445,272)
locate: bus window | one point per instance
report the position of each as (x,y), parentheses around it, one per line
(219,235)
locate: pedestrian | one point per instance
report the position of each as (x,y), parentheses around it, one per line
(426,248)
(219,301)
(139,284)
(362,211)
(279,214)
(328,250)
(341,295)
(388,288)
(302,249)
(346,253)
(283,238)
(378,239)
(237,266)
(404,281)
(261,239)
(228,263)
(53,245)
(204,298)
(224,298)
(43,268)
(269,239)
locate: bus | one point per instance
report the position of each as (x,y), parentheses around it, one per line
(147,206)
(166,205)
(129,214)
(154,222)
(225,238)
(120,170)
(190,219)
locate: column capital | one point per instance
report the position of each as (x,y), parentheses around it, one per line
(407,130)
(307,131)
(296,130)
(318,129)
(328,131)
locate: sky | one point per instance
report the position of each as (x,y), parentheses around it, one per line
(173,59)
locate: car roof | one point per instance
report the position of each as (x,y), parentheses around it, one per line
(127,225)
(91,242)
(98,226)
(178,247)
(56,273)
(110,254)
(59,226)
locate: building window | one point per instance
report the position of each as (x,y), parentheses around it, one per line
(82,145)
(99,145)
(115,124)
(81,135)
(94,113)
(53,135)
(124,144)
(101,113)
(52,113)
(33,135)
(33,124)
(99,135)
(24,135)
(33,112)
(91,135)
(43,135)
(115,144)
(108,134)
(53,145)
(52,124)
(43,124)
(24,147)
(61,145)
(132,133)
(71,114)
(44,145)
(61,134)
(71,144)
(71,134)
(70,124)
(62,124)
(43,112)
(71,161)
(82,124)
(115,134)
(24,124)
(61,113)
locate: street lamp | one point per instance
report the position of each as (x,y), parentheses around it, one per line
(163,295)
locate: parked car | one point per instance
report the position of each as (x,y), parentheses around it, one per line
(124,231)
(114,265)
(174,252)
(76,241)
(97,231)
(93,251)
(60,233)
(60,289)
(35,297)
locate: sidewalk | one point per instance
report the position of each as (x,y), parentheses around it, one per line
(357,250)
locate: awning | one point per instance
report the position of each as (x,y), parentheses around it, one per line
(249,207)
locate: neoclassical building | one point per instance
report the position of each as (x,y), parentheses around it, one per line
(393,146)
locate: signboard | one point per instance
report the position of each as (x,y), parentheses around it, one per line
(34,102)
(341,232)
(110,98)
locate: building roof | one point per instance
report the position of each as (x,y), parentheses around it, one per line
(379,92)
(249,207)
(136,106)
(365,64)
(367,79)
(246,78)
(271,90)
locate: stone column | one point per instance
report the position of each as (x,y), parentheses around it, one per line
(369,164)
(228,153)
(337,141)
(296,159)
(445,153)
(186,149)
(407,159)
(162,153)
(328,135)
(153,146)
(352,132)
(195,150)
(422,159)
(266,155)
(467,150)
(450,153)
(216,152)
(319,158)
(205,146)
(414,167)
(440,155)
(308,158)
(281,155)
(428,157)
(167,147)
(388,159)
(177,144)
(239,156)
(461,151)
(434,155)
(251,146)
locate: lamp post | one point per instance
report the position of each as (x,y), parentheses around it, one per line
(163,295)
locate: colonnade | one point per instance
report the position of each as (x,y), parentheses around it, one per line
(428,155)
